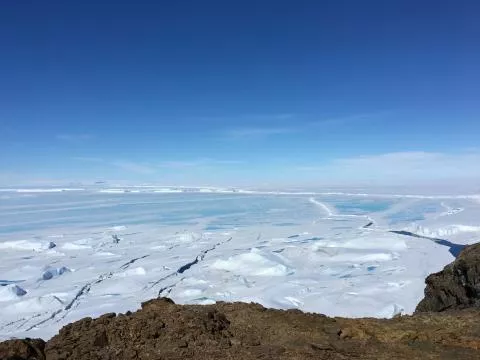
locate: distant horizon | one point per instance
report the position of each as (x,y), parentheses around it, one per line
(438,190)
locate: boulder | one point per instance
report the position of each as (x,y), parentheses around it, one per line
(457,286)
(25,349)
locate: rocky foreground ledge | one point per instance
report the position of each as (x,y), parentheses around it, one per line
(445,326)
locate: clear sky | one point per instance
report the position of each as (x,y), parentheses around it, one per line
(239,92)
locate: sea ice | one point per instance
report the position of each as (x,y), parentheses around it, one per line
(306,250)
(252,264)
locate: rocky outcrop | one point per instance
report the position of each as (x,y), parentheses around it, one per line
(457,286)
(164,330)
(31,349)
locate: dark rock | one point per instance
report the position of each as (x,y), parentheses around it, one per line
(164,330)
(457,286)
(27,349)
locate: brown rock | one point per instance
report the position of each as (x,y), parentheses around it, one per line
(457,286)
(27,349)
(164,330)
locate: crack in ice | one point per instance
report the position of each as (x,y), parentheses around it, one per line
(185,267)
(454,249)
(331,214)
(82,292)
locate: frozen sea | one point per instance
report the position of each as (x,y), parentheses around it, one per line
(70,253)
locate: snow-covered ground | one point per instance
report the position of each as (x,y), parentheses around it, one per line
(70,253)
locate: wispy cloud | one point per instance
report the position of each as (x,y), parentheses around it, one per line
(260,131)
(241,118)
(27,178)
(401,166)
(292,123)
(203,162)
(349,119)
(74,138)
(256,132)
(144,168)
(134,167)
(125,165)
(88,159)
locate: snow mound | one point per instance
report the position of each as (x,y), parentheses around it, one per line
(346,256)
(117,228)
(11,292)
(391,311)
(187,237)
(112,191)
(367,242)
(252,264)
(191,292)
(138,271)
(35,304)
(27,245)
(73,246)
(167,190)
(444,231)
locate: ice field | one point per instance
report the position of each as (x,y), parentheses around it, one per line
(70,253)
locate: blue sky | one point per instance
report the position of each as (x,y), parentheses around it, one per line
(239,92)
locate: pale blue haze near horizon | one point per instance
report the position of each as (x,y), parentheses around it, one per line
(240,92)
